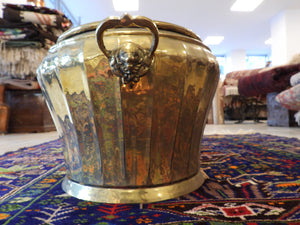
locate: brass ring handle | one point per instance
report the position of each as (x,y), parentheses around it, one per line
(120,59)
(126,21)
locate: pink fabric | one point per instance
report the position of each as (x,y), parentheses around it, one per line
(230,83)
(275,79)
(232,78)
(290,98)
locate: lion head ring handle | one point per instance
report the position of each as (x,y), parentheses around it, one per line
(129,61)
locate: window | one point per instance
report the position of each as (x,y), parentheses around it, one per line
(256,61)
(222,64)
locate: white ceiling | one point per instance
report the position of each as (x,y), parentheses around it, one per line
(242,30)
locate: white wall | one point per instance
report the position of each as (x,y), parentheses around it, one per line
(237,60)
(293,32)
(278,35)
(285,33)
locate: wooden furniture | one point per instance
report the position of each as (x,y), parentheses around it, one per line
(28,112)
(4,111)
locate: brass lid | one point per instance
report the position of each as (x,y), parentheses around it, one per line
(160,25)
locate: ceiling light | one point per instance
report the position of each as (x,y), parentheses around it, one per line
(245,5)
(126,5)
(213,40)
(269,41)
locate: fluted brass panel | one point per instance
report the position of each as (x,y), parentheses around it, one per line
(131,115)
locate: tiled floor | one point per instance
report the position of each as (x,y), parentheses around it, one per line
(13,142)
(230,127)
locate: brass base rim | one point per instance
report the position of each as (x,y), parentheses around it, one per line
(133,195)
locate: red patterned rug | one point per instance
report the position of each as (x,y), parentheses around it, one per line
(253,179)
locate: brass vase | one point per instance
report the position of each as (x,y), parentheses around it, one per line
(129,98)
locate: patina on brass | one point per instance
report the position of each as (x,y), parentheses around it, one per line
(131,112)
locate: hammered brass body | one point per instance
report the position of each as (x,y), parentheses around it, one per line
(136,142)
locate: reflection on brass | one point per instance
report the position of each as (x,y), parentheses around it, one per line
(132,195)
(128,142)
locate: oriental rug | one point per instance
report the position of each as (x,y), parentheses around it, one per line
(252,180)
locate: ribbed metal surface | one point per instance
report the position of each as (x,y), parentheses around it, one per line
(130,136)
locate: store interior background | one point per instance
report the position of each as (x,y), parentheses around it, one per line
(245,35)
(252,39)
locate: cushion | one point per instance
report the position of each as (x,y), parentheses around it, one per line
(275,79)
(290,98)
(295,79)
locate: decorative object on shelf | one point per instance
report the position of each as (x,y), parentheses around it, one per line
(131,126)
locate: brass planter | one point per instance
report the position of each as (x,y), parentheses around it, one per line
(131,115)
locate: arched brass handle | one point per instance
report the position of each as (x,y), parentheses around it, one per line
(130,61)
